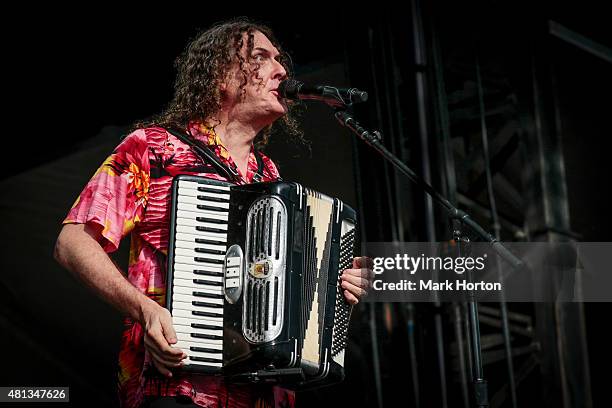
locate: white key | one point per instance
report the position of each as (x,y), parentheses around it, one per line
(195,184)
(184,321)
(182,312)
(191,252)
(190,229)
(191,275)
(190,260)
(195,223)
(191,267)
(189,290)
(201,213)
(189,330)
(192,185)
(186,347)
(189,338)
(196,201)
(189,306)
(181,297)
(189,283)
(182,255)
(193,245)
(190,192)
(188,343)
(191,211)
(185,237)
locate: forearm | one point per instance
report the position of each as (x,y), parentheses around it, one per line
(78,251)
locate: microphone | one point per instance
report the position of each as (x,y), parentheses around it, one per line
(292,89)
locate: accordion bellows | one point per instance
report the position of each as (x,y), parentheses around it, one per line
(254,280)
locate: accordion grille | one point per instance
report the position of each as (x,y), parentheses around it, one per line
(262,312)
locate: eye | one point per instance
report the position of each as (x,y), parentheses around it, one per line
(258,58)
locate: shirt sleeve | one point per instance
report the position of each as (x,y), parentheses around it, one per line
(116,196)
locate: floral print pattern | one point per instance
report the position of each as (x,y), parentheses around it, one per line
(131,193)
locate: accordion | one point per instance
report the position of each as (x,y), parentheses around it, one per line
(254,280)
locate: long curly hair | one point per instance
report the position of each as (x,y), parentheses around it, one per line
(202,68)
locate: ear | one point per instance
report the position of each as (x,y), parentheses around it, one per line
(223,85)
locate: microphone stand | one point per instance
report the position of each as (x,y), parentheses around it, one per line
(460,219)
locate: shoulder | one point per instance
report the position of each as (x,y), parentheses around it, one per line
(147,135)
(143,139)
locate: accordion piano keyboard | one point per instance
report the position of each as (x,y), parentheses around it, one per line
(197,287)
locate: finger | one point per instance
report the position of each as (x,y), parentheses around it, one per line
(357,281)
(176,355)
(159,342)
(162,370)
(169,358)
(166,361)
(350,298)
(354,289)
(168,328)
(363,272)
(363,262)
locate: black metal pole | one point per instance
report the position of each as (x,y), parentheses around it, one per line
(430,231)
(372,138)
(460,220)
(481,394)
(496,228)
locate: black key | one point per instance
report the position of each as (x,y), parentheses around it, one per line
(209,295)
(205,360)
(206,326)
(209,261)
(205,314)
(208,241)
(206,336)
(211,208)
(209,251)
(213,199)
(209,229)
(211,190)
(208,273)
(206,282)
(205,350)
(205,304)
(211,220)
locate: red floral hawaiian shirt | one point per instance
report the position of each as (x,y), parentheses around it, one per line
(130,193)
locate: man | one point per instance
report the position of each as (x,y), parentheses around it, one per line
(226,95)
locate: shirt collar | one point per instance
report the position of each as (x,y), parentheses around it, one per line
(207,135)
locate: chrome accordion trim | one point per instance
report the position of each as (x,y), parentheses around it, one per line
(233,273)
(264,277)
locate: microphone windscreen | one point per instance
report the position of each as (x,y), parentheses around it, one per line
(289,88)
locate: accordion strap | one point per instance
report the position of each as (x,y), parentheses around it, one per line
(208,156)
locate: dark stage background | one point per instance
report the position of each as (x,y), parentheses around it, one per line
(74,85)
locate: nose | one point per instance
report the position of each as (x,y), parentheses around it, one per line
(279,71)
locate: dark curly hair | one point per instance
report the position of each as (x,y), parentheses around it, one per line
(204,66)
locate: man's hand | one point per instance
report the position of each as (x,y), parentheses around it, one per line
(357,281)
(159,335)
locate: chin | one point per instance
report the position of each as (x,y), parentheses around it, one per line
(279,111)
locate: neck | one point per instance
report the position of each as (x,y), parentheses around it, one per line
(237,137)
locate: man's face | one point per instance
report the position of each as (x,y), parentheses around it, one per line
(260,102)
